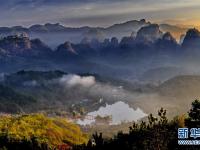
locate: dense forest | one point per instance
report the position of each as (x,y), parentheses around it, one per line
(39,132)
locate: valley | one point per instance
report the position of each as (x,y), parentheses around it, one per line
(103,81)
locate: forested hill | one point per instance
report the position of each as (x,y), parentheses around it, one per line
(12,101)
(38,132)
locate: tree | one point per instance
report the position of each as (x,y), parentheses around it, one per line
(193,119)
(158,133)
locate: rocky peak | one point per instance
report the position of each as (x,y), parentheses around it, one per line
(149,33)
(66,48)
(106,42)
(193,33)
(54,27)
(166,42)
(114,42)
(127,41)
(192,38)
(16,43)
(21,45)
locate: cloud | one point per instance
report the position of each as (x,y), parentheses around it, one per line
(61,2)
(93,12)
(76,80)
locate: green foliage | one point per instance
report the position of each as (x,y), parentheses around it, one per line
(195,111)
(38,130)
(194,115)
(12,101)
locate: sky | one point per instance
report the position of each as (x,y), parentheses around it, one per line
(98,12)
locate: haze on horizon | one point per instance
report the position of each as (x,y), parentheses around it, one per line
(98,12)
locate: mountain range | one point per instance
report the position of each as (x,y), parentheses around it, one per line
(139,68)
(54,34)
(148,48)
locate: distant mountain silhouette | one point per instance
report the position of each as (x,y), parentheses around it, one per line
(48,32)
(149,38)
(94,34)
(150,48)
(192,39)
(66,48)
(167,42)
(125,28)
(176,31)
(149,33)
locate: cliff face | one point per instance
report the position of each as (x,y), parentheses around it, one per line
(21,45)
(65,49)
(149,33)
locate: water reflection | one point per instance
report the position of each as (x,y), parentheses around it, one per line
(119,111)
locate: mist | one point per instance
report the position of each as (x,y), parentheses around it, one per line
(76,80)
(119,112)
